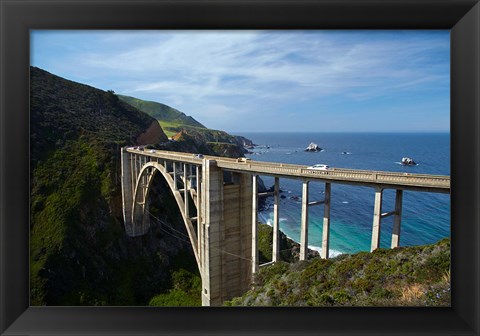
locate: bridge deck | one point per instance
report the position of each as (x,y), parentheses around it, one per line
(387,180)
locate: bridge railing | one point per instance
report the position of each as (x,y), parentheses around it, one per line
(167,155)
(435,181)
(293,170)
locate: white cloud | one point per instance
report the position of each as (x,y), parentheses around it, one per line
(225,70)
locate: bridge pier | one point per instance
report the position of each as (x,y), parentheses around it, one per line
(225,235)
(377,219)
(186,189)
(304,222)
(134,192)
(175,185)
(255,259)
(326,223)
(128,185)
(212,213)
(378,215)
(276,226)
(397,219)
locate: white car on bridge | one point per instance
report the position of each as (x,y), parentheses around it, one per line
(319,166)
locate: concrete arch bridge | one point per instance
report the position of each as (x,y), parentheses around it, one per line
(222,225)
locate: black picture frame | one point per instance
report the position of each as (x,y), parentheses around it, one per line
(18,17)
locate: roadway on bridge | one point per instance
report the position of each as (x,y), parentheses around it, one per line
(380,179)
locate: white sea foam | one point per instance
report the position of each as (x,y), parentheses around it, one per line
(269,221)
(399,163)
(333,253)
(345,202)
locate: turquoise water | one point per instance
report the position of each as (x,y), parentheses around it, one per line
(425,216)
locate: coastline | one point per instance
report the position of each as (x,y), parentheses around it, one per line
(332,253)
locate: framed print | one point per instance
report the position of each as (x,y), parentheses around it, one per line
(35,35)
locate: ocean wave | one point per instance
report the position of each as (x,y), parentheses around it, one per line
(333,253)
(269,222)
(399,163)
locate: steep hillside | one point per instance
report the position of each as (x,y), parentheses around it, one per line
(63,110)
(174,121)
(80,254)
(200,141)
(405,276)
(161,111)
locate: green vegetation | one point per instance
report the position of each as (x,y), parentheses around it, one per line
(63,185)
(186,291)
(79,252)
(162,112)
(405,276)
(207,135)
(63,110)
(173,127)
(173,121)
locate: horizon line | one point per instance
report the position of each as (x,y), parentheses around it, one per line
(358,132)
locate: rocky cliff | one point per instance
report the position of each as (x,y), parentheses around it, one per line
(80,254)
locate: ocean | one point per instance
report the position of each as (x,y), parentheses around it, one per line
(425,216)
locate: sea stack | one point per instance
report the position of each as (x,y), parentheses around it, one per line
(313,147)
(408,161)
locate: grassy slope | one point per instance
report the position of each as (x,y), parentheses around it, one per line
(173,121)
(173,127)
(161,111)
(406,276)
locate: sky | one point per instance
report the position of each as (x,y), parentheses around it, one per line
(267,81)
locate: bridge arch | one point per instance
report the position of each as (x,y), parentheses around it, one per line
(226,243)
(140,220)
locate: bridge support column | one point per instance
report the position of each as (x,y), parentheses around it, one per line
(377,219)
(276,226)
(326,223)
(186,190)
(128,183)
(175,186)
(397,219)
(198,189)
(254,225)
(212,201)
(225,235)
(304,223)
(245,229)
